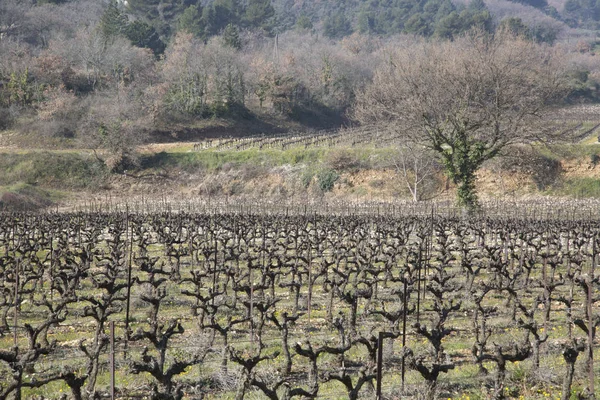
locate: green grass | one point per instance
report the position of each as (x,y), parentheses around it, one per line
(212,160)
(568,151)
(23,196)
(62,170)
(583,187)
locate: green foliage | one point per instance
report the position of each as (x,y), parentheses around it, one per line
(62,171)
(337,25)
(163,15)
(192,21)
(113,22)
(456,23)
(219,14)
(582,13)
(307,177)
(543,34)
(365,23)
(418,25)
(338,19)
(460,164)
(189,96)
(533,3)
(20,90)
(425,18)
(144,35)
(578,187)
(327,179)
(303,22)
(231,37)
(259,14)
(514,25)
(538,33)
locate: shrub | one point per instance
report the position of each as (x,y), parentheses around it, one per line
(342,159)
(327,179)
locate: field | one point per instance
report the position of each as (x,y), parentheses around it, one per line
(224,302)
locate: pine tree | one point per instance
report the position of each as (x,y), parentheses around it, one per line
(365,22)
(192,21)
(113,22)
(231,37)
(259,14)
(337,25)
(144,35)
(303,22)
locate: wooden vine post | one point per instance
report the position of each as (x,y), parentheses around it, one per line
(404,311)
(112,360)
(379,364)
(128,245)
(309,300)
(590,313)
(16,316)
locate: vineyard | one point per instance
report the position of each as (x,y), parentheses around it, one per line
(576,123)
(286,303)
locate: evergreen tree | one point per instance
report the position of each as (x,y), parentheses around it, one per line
(144,35)
(450,25)
(226,12)
(337,25)
(285,19)
(481,19)
(113,22)
(417,25)
(209,21)
(444,10)
(192,21)
(303,22)
(477,5)
(231,37)
(259,14)
(544,34)
(515,26)
(365,22)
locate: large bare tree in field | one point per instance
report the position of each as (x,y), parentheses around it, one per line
(466,100)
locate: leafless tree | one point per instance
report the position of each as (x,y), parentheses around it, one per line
(114,124)
(465,100)
(417,167)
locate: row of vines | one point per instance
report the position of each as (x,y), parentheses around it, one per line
(241,305)
(359,136)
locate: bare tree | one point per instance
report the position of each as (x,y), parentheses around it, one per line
(465,100)
(115,124)
(417,166)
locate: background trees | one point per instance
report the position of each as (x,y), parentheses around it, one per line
(466,100)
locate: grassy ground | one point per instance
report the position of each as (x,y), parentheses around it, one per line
(360,172)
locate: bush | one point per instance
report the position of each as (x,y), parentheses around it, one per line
(342,159)
(7,117)
(306,178)
(327,179)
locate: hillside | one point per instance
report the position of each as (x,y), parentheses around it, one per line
(85,85)
(333,168)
